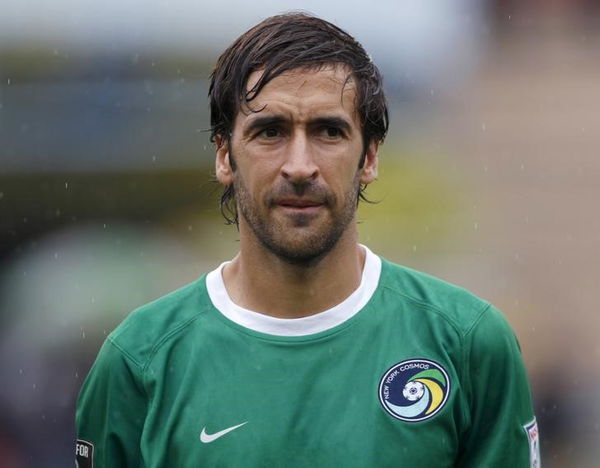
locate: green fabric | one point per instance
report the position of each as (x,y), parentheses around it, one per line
(177,365)
(432,373)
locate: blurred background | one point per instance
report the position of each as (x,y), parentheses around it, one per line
(488,179)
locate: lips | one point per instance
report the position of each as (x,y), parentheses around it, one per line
(299,203)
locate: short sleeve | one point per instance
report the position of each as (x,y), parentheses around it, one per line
(502,430)
(111,410)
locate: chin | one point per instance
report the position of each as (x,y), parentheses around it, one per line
(301,239)
(302,248)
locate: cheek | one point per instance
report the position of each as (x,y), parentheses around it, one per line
(341,178)
(253,183)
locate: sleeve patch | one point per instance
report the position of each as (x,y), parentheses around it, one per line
(84,454)
(533,435)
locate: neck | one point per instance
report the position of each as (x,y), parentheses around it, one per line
(259,280)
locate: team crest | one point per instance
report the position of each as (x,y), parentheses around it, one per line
(414,390)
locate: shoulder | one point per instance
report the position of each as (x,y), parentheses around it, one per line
(145,329)
(462,309)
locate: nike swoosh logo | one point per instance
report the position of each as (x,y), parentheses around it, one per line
(208,438)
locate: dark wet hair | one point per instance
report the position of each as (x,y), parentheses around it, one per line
(286,42)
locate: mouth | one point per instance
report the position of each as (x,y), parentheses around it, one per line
(299,205)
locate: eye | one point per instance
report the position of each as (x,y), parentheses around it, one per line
(331,133)
(270,132)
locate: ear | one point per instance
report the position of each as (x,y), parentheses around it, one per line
(223,169)
(371,163)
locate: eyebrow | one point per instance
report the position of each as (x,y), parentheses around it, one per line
(263,122)
(336,122)
(274,120)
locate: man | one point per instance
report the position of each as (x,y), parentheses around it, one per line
(306,349)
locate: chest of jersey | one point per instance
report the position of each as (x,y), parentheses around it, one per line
(346,398)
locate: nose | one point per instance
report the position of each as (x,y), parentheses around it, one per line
(299,165)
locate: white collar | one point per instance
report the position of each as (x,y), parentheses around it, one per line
(299,326)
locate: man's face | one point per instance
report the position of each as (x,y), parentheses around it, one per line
(296,160)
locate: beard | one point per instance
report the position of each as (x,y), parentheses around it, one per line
(298,239)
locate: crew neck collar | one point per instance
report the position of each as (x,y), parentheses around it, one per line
(309,325)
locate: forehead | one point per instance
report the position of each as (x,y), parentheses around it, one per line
(306,91)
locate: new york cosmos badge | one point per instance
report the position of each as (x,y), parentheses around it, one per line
(414,390)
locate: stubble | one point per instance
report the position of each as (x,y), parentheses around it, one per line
(301,240)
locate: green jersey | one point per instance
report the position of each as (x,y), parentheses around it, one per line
(407,371)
